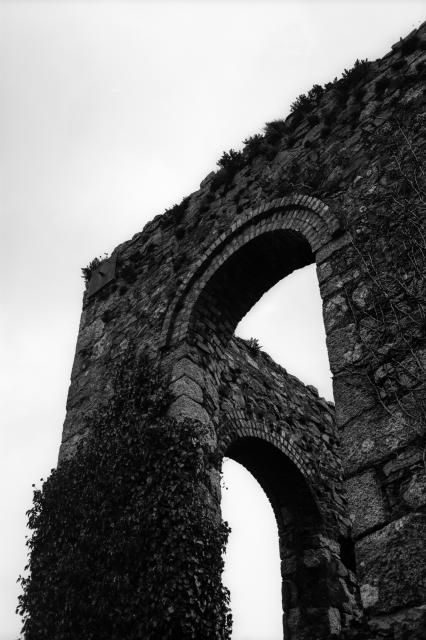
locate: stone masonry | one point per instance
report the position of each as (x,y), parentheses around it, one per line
(338,183)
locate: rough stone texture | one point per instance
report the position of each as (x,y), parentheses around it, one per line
(401,541)
(374,435)
(365,502)
(319,192)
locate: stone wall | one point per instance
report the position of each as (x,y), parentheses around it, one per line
(286,436)
(340,182)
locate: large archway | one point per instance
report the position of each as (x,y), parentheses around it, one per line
(280,430)
(308,226)
(264,246)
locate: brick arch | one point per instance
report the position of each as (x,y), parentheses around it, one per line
(310,559)
(301,479)
(304,216)
(234,429)
(250,429)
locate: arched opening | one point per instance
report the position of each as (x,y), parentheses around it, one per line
(241,281)
(252,561)
(304,585)
(288,323)
(271,423)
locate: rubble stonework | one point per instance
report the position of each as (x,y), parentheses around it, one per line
(341,187)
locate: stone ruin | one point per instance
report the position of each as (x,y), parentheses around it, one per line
(340,183)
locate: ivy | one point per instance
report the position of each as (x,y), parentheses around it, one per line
(122,544)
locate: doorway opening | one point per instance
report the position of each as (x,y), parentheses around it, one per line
(252,561)
(287,321)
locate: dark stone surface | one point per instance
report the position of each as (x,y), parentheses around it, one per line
(393,555)
(323,194)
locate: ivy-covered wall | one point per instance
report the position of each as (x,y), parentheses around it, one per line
(123,544)
(339,182)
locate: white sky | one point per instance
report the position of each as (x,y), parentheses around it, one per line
(110,112)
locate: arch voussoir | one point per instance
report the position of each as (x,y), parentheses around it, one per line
(260,248)
(301,214)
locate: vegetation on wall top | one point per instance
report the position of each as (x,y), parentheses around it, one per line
(279,131)
(86,272)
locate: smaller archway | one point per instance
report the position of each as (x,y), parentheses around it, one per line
(307,596)
(304,588)
(252,559)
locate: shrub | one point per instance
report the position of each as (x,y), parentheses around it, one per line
(230,163)
(254,346)
(349,80)
(253,146)
(330,85)
(86,272)
(352,76)
(231,160)
(302,104)
(175,214)
(274,131)
(221,178)
(410,44)
(122,546)
(316,93)
(306,102)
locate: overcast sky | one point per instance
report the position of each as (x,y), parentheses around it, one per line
(109,113)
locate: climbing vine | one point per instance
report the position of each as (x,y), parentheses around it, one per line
(389,308)
(122,544)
